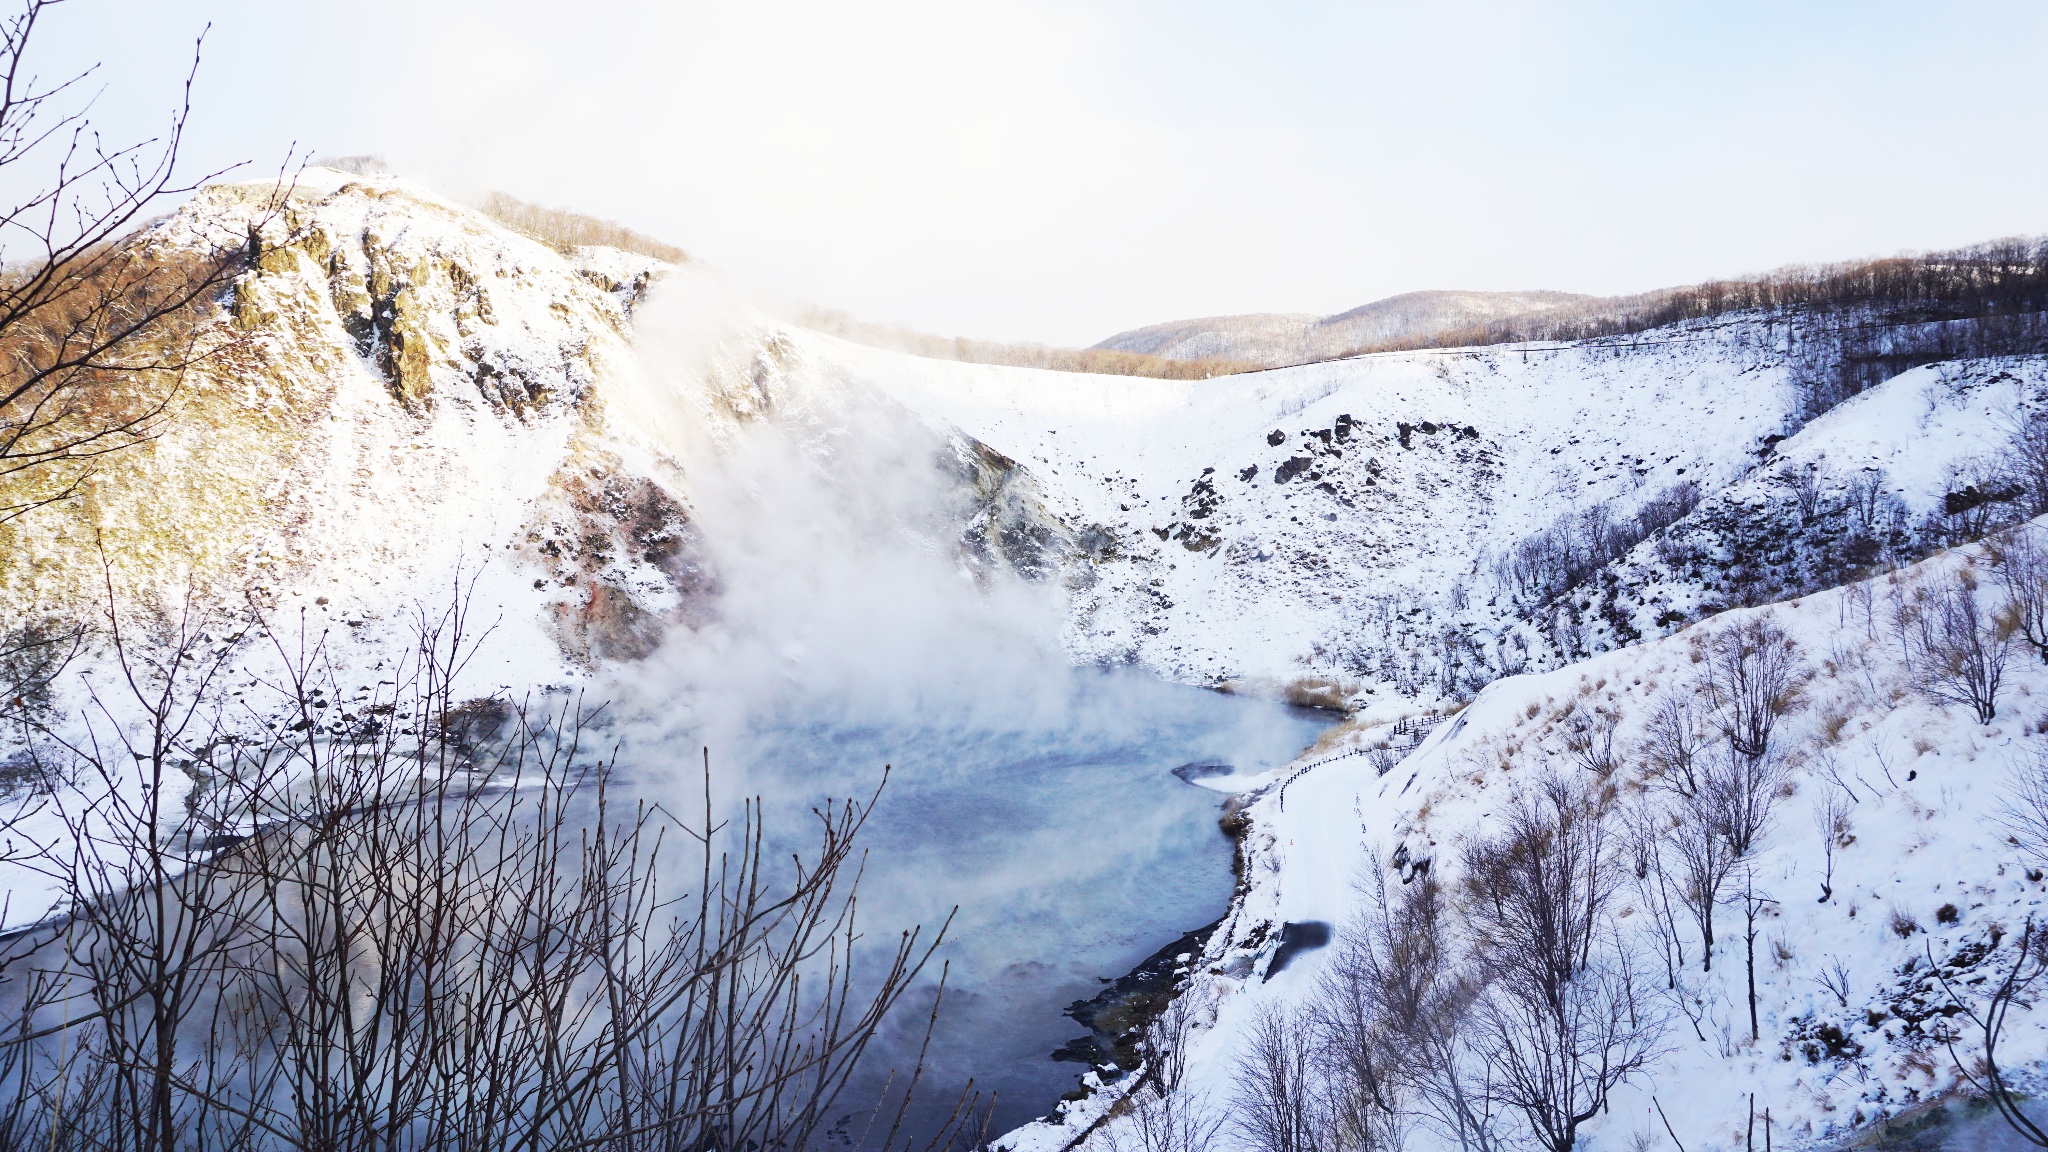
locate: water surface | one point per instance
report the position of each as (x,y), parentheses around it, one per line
(1060,831)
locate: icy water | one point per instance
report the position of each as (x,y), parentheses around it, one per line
(1953,1126)
(1070,847)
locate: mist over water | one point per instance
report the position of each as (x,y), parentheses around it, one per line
(848,633)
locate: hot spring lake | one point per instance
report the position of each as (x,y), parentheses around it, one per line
(1059,829)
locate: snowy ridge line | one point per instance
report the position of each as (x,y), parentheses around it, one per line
(1527,346)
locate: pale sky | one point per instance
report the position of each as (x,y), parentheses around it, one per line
(1060,170)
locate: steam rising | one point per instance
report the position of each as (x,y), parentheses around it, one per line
(831,517)
(847,632)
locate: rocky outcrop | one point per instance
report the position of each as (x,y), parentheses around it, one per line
(397,387)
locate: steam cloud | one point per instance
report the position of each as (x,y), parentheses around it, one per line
(847,633)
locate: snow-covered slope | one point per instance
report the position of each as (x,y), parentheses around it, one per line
(1849,1009)
(1882,479)
(1326,524)
(401,388)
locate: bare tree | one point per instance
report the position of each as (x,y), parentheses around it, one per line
(1705,860)
(1674,742)
(98,327)
(1539,888)
(414,921)
(1658,892)
(2025,459)
(1831,820)
(1716,828)
(1557,1064)
(1808,487)
(1163,1121)
(1958,651)
(1745,791)
(2029,964)
(1753,679)
(2023,810)
(2021,564)
(1867,499)
(1164,1115)
(1393,1016)
(1280,1104)
(1561,1022)
(1754,904)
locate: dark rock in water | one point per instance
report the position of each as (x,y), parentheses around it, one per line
(1117,1016)
(1203,769)
(1296,938)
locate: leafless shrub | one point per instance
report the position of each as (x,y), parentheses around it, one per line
(1589,737)
(1753,677)
(1831,820)
(1958,652)
(1280,1104)
(1382,755)
(420,935)
(1674,742)
(1835,978)
(2021,564)
(1561,1021)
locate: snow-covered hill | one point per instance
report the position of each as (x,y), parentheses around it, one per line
(1276,339)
